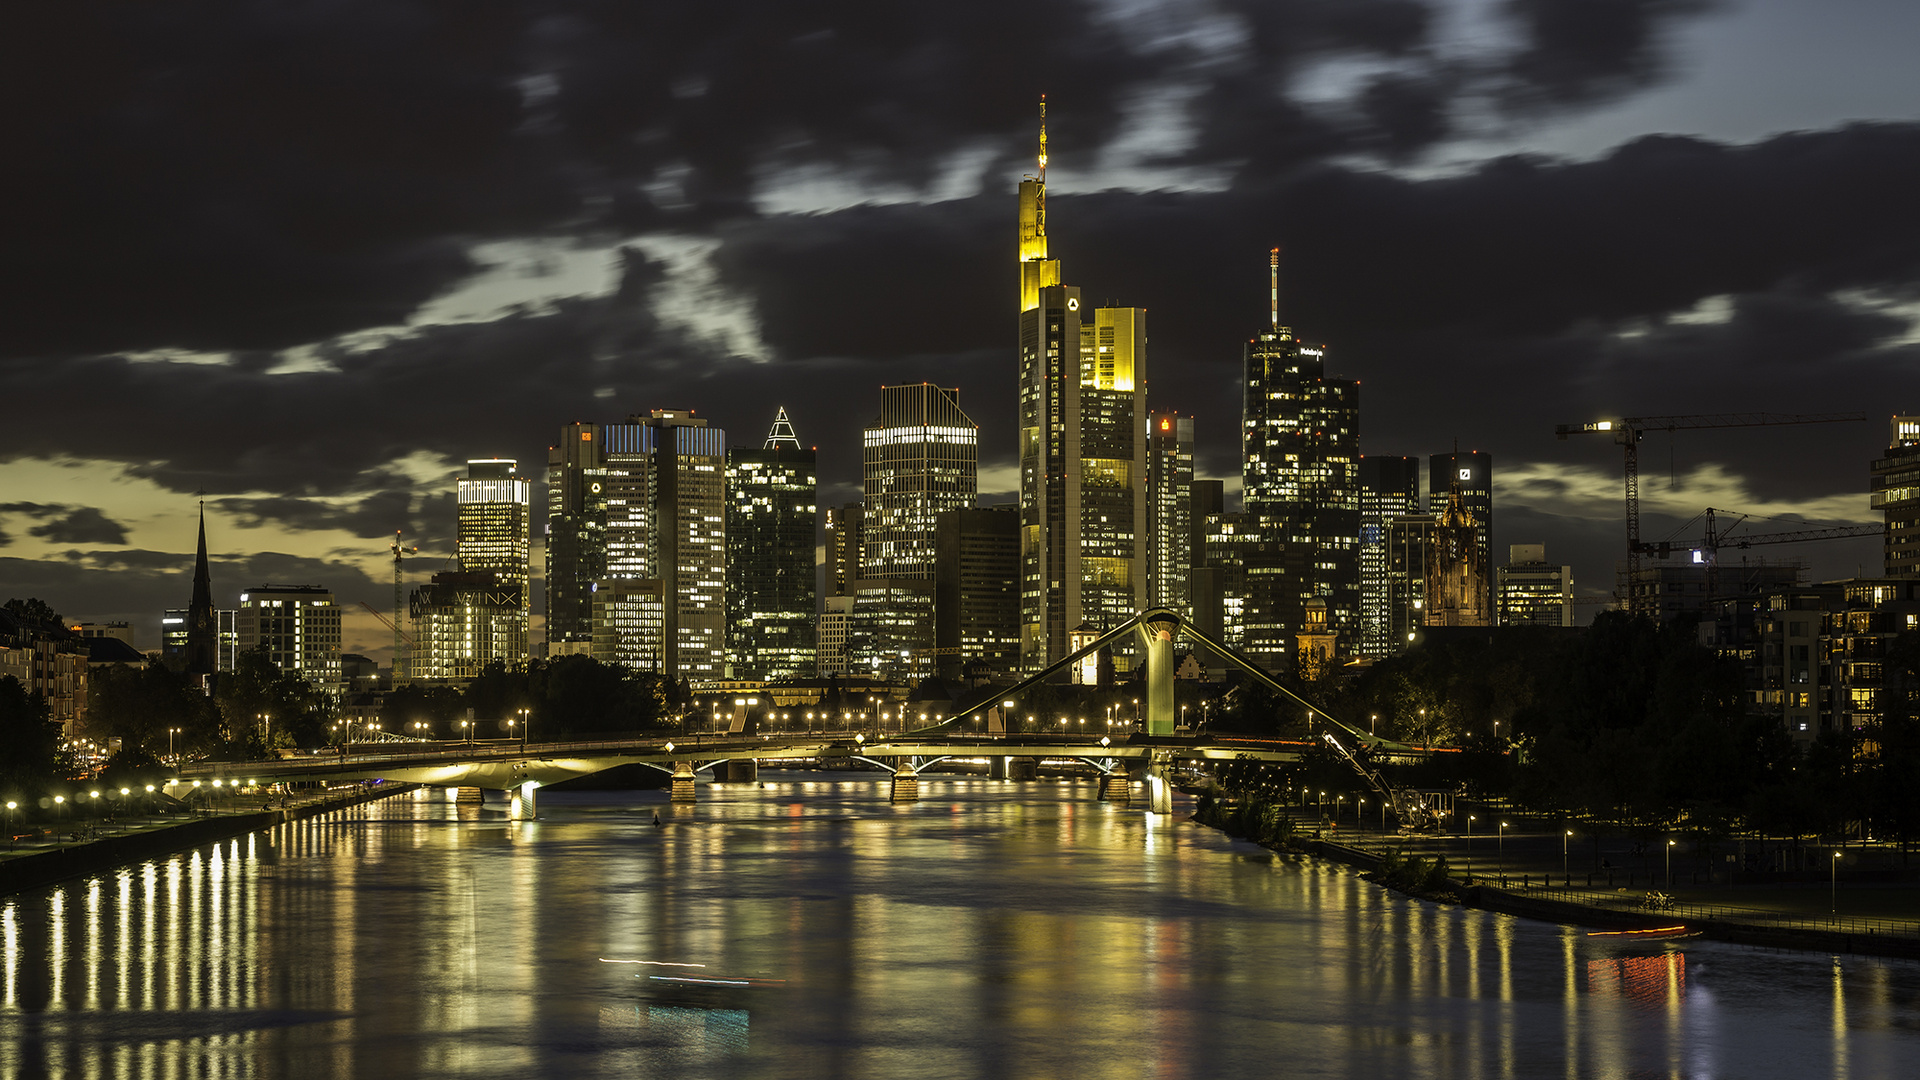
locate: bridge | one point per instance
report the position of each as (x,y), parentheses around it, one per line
(1150,756)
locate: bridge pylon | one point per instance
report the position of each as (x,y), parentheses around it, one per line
(680,786)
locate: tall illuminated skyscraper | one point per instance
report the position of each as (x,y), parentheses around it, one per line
(1083,448)
(1472,473)
(1389,489)
(771,515)
(643,501)
(1170,491)
(1300,482)
(919,460)
(495,511)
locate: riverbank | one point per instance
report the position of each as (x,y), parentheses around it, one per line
(149,838)
(1784,926)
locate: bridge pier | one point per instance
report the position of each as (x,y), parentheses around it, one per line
(680,788)
(469,796)
(1116,787)
(1159,787)
(906,783)
(1023,768)
(743,770)
(521,804)
(997,767)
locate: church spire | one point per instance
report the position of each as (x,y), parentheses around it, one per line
(203,630)
(781,435)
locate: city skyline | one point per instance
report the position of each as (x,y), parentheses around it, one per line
(1479,296)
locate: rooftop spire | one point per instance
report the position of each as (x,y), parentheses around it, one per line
(1043,138)
(202,630)
(1273,285)
(781,434)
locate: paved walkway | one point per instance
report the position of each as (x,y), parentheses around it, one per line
(84,825)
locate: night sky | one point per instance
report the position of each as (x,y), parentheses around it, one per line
(308,258)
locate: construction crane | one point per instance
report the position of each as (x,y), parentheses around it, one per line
(398,635)
(1715,538)
(1628,433)
(401,641)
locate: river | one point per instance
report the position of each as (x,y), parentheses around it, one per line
(806,927)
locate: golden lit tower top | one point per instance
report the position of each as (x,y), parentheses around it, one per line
(1036,270)
(1273,285)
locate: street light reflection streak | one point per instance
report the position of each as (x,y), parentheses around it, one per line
(654,963)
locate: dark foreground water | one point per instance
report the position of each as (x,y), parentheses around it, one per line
(807,928)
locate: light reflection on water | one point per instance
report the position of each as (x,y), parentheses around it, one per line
(994,929)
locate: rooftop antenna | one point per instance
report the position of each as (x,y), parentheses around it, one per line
(1273,285)
(1043,138)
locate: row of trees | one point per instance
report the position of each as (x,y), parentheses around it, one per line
(1630,726)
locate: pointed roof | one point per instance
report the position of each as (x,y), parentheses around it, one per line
(781,434)
(202,630)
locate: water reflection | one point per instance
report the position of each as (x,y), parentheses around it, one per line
(994,929)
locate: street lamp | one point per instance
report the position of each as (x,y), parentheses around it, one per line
(1563,854)
(171,732)
(1670,844)
(1426,733)
(266,730)
(526,726)
(1833,887)
(1501,853)
(466,731)
(1470,820)
(1373,724)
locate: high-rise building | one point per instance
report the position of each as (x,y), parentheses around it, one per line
(462,621)
(1389,489)
(495,515)
(977,589)
(1896,494)
(644,500)
(1300,486)
(576,547)
(1083,449)
(920,460)
(1409,558)
(1206,502)
(299,626)
(629,623)
(771,517)
(843,548)
(1170,498)
(1472,474)
(1532,591)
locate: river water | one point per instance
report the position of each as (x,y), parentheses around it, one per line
(808,928)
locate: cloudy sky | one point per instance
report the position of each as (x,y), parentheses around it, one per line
(307,258)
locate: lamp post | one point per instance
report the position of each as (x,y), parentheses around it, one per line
(171,732)
(266,730)
(1501,852)
(1373,724)
(526,726)
(1564,834)
(1670,844)
(1833,886)
(1426,736)
(1470,820)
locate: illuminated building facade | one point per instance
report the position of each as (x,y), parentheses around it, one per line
(644,500)
(843,548)
(629,623)
(771,515)
(919,460)
(299,626)
(1409,555)
(462,621)
(1532,591)
(1083,453)
(977,589)
(1300,485)
(1170,496)
(1389,489)
(1896,494)
(495,507)
(1472,474)
(1457,589)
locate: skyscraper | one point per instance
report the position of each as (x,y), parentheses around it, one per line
(462,621)
(1472,472)
(771,515)
(642,501)
(1896,494)
(1389,489)
(977,589)
(919,460)
(1532,591)
(495,511)
(1170,496)
(1082,409)
(1457,589)
(1300,484)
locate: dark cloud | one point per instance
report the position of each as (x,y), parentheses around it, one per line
(244,176)
(426,520)
(83,525)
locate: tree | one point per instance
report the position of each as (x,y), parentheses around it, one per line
(262,707)
(140,706)
(29,740)
(35,612)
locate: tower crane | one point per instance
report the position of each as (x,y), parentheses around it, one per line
(401,641)
(1628,432)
